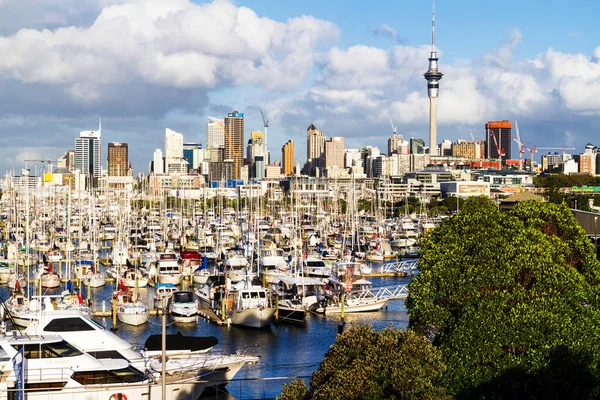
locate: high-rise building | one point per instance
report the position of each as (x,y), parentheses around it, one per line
(587,160)
(397,145)
(417,146)
(191,153)
(433,76)
(334,152)
(215,133)
(173,147)
(118,161)
(88,153)
(315,143)
(498,140)
(234,141)
(445,148)
(158,166)
(256,146)
(315,146)
(287,158)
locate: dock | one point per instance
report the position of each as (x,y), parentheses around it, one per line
(209,314)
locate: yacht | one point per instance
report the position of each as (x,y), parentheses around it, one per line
(183,306)
(197,370)
(48,367)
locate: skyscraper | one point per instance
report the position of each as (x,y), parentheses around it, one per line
(118,161)
(234,141)
(433,76)
(88,152)
(497,137)
(173,147)
(215,133)
(287,158)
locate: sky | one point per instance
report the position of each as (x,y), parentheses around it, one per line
(346,66)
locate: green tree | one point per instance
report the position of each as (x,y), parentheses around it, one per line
(509,299)
(368,364)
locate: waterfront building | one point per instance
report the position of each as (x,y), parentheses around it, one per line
(88,154)
(287,158)
(470,149)
(215,133)
(234,141)
(498,137)
(118,161)
(433,76)
(173,148)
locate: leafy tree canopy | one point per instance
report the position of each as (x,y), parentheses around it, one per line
(367,364)
(508,298)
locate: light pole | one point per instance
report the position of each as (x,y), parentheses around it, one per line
(596,235)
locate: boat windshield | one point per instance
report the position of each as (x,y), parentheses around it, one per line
(183,297)
(124,375)
(48,350)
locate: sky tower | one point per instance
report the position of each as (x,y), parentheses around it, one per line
(433,76)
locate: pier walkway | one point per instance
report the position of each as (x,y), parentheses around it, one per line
(407,267)
(399,292)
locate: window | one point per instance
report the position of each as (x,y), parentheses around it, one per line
(68,325)
(49,350)
(125,375)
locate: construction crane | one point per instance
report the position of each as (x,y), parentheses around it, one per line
(394,131)
(49,162)
(498,149)
(266,126)
(522,147)
(564,149)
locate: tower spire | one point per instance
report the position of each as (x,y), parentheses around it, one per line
(433,26)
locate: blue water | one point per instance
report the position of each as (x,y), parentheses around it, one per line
(286,352)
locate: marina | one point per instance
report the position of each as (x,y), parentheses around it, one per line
(272,288)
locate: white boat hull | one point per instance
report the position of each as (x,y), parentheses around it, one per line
(133,314)
(252,317)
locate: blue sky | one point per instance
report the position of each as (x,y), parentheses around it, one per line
(145,65)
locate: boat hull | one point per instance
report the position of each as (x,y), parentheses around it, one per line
(253,317)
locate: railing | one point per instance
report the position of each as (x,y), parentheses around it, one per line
(400,266)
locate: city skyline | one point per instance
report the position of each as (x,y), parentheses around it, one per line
(301,63)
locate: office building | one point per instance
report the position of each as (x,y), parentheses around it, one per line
(417,146)
(118,161)
(191,153)
(334,152)
(173,147)
(471,149)
(498,140)
(88,153)
(234,141)
(287,158)
(215,133)
(158,166)
(315,146)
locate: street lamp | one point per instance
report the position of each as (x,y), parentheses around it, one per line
(596,235)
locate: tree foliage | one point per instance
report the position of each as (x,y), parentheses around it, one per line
(367,364)
(509,299)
